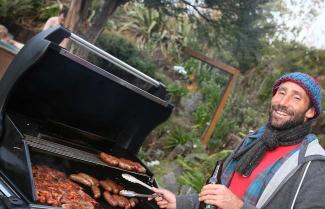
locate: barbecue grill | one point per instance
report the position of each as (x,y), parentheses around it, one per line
(59,110)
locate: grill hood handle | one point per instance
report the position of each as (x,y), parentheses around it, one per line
(57,35)
(103,54)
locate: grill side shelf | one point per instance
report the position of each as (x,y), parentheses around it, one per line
(70,152)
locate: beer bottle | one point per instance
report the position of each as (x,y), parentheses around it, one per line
(215,178)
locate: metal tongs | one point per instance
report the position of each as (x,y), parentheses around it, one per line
(135,180)
(132,179)
(128,193)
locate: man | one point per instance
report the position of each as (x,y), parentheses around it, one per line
(6,38)
(57,20)
(281,165)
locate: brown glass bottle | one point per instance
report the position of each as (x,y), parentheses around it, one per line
(215,178)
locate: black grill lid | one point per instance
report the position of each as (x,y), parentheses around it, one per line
(51,85)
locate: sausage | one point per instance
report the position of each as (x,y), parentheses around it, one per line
(96,191)
(127,204)
(89,178)
(96,182)
(121,200)
(119,188)
(133,201)
(80,179)
(109,159)
(105,185)
(126,164)
(115,187)
(139,168)
(110,199)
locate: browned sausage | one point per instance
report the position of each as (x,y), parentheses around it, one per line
(79,179)
(105,185)
(109,159)
(127,204)
(89,178)
(110,199)
(121,200)
(96,182)
(126,164)
(96,191)
(139,168)
(115,187)
(119,187)
(133,201)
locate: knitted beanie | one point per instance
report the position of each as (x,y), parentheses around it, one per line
(308,83)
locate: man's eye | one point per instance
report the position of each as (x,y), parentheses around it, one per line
(297,98)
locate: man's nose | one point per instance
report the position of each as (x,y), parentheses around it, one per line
(284,100)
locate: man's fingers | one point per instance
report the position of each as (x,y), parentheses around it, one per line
(214,186)
(212,202)
(162,204)
(210,192)
(207,197)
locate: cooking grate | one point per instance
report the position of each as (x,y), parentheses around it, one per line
(67,151)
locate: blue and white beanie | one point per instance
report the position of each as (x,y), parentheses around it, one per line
(308,83)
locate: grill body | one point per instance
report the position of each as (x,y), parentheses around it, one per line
(60,110)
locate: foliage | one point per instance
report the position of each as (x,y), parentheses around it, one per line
(124,50)
(19,10)
(176,91)
(178,136)
(235,26)
(49,11)
(224,127)
(197,168)
(12,9)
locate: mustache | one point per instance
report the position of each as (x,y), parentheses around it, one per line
(282,109)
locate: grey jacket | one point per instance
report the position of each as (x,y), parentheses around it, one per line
(299,183)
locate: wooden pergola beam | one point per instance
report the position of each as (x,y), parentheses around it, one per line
(233,72)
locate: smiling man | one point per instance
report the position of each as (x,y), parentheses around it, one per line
(281,165)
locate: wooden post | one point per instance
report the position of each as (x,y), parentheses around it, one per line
(234,73)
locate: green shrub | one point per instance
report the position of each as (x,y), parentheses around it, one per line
(49,11)
(119,47)
(16,10)
(177,136)
(11,9)
(198,168)
(202,115)
(176,91)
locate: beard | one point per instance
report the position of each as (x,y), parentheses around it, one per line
(294,120)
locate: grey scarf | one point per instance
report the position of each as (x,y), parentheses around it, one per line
(251,156)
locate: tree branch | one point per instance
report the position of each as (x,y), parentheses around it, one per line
(197,10)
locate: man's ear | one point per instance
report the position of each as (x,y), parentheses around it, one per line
(310,113)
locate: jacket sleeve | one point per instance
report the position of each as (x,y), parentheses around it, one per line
(187,201)
(248,206)
(312,192)
(192,202)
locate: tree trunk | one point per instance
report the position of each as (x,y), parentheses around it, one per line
(77,14)
(96,27)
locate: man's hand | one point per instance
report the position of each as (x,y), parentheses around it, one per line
(167,199)
(220,196)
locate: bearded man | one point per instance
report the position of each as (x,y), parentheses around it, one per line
(281,165)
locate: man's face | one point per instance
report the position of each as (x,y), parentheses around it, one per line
(290,106)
